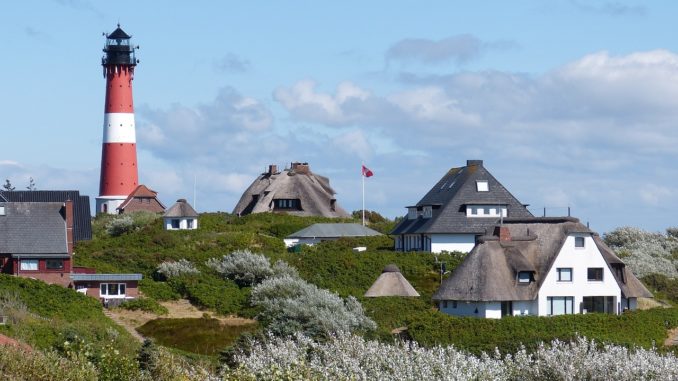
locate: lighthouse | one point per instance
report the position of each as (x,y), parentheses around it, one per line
(119,175)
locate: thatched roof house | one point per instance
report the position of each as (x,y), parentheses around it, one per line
(463,204)
(540,266)
(180,216)
(391,283)
(296,191)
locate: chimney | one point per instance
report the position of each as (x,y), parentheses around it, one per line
(300,167)
(474,162)
(503,233)
(68,205)
(272,169)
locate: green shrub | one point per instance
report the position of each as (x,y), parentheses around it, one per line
(160,291)
(144,304)
(220,295)
(661,285)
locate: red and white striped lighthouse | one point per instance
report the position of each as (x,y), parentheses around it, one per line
(119,175)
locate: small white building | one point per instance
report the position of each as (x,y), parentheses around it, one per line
(540,266)
(325,232)
(180,216)
(461,206)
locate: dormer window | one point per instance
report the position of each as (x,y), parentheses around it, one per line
(282,203)
(428,212)
(412,213)
(482,186)
(2,210)
(524,277)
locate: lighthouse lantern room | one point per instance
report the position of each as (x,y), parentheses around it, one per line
(119,175)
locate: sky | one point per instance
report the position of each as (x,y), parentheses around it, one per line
(570,103)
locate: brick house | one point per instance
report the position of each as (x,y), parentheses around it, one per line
(142,199)
(36,240)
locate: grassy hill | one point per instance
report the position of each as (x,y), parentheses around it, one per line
(334,266)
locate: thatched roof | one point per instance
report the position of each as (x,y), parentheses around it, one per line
(181,208)
(489,271)
(449,198)
(391,283)
(316,197)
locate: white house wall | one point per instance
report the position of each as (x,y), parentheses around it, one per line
(183,223)
(579,259)
(525,307)
(289,242)
(452,242)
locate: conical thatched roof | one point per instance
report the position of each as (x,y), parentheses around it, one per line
(391,283)
(310,193)
(181,209)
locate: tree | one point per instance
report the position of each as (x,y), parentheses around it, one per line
(31,185)
(8,185)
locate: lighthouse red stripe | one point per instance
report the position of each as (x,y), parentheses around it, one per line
(119,175)
(119,88)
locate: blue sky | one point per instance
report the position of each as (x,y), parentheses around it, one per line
(569,103)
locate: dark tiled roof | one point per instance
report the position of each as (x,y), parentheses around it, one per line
(449,197)
(488,273)
(82,218)
(329,230)
(33,228)
(119,33)
(105,277)
(181,209)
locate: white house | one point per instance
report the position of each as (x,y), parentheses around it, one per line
(326,232)
(540,266)
(461,206)
(180,216)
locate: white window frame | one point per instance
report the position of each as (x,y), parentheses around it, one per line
(428,212)
(189,223)
(482,186)
(568,301)
(121,287)
(560,271)
(577,240)
(178,223)
(522,279)
(24,265)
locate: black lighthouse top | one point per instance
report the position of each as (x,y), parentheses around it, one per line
(118,49)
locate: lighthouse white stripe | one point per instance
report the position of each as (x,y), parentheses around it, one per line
(119,128)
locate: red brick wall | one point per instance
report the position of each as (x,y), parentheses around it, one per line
(131,290)
(61,277)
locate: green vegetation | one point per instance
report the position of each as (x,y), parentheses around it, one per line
(663,287)
(203,336)
(633,328)
(45,315)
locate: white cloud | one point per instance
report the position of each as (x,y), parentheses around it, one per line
(460,49)
(655,195)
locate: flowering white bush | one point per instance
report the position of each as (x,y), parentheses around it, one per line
(243,267)
(173,269)
(351,357)
(292,305)
(281,268)
(120,225)
(646,252)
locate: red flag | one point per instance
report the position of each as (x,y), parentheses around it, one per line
(367,172)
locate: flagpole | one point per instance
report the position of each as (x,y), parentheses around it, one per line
(362,176)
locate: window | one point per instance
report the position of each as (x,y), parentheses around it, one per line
(602,304)
(507,308)
(454,304)
(579,242)
(55,264)
(560,305)
(524,276)
(189,223)
(412,213)
(286,203)
(444,303)
(176,224)
(482,186)
(564,274)
(112,289)
(2,210)
(428,211)
(29,265)
(595,274)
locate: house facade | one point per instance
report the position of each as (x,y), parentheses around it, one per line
(142,198)
(36,240)
(543,267)
(111,289)
(461,206)
(180,216)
